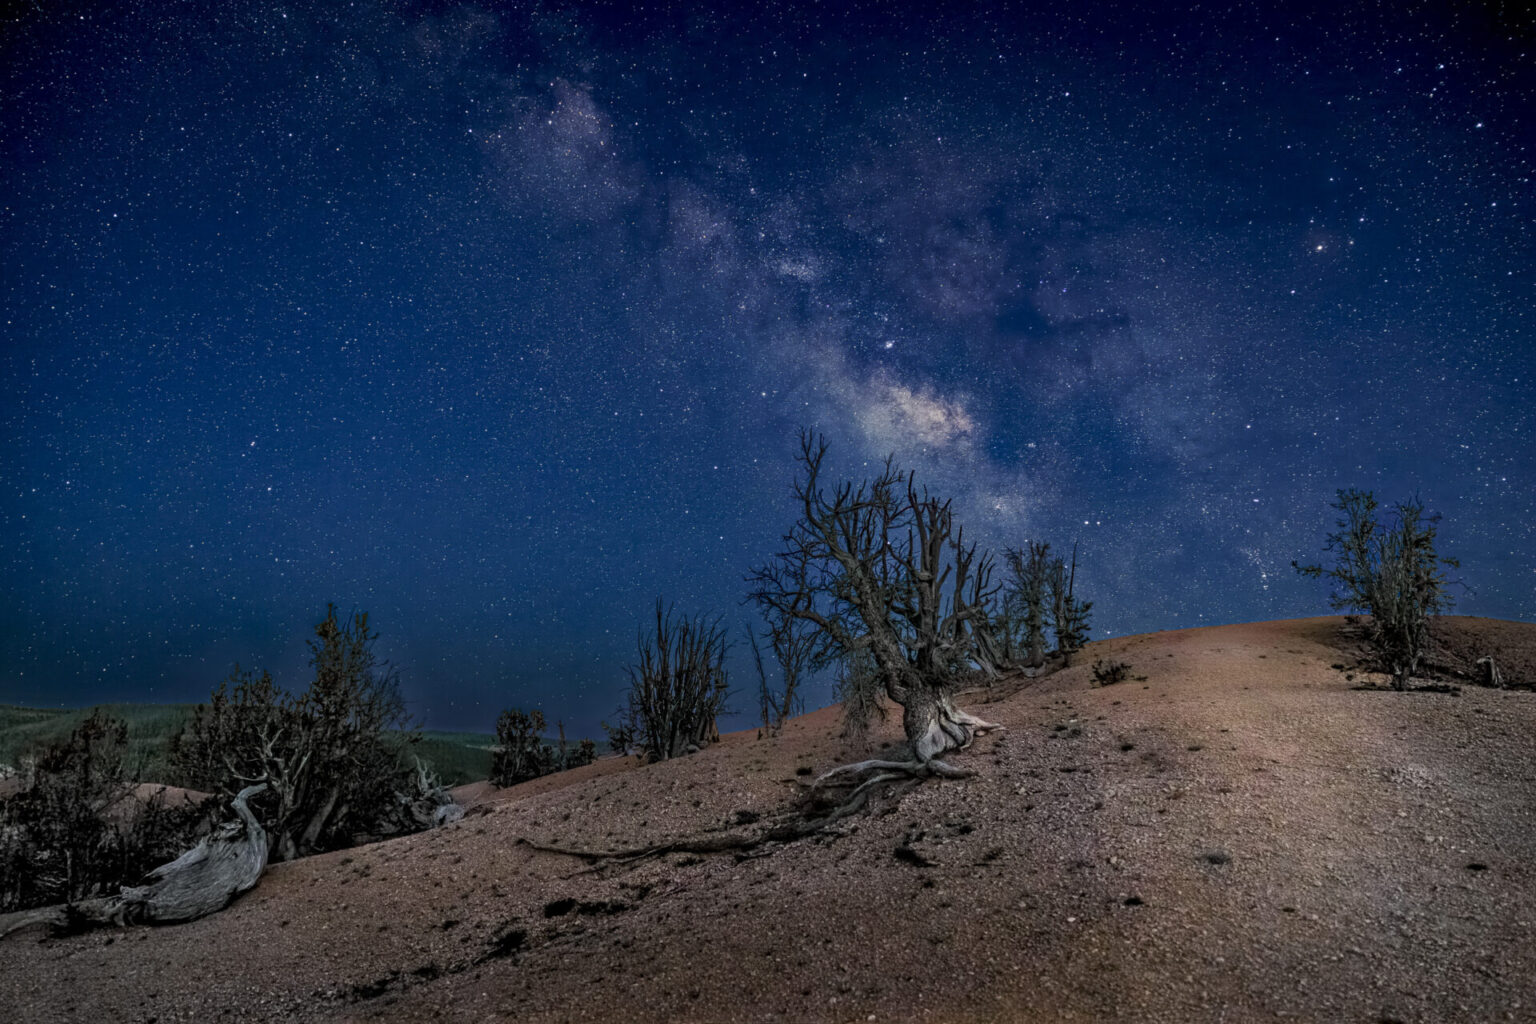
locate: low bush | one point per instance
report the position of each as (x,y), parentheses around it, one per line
(1107,673)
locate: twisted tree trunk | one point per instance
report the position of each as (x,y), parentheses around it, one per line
(933,724)
(200,882)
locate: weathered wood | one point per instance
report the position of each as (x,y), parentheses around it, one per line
(200,882)
(432,806)
(1491,674)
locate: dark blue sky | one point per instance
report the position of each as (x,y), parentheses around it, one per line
(498,321)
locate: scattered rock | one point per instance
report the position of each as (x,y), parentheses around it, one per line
(907,855)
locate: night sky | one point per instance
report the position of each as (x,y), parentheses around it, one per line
(498,322)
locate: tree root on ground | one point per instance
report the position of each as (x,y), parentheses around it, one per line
(951,729)
(793,828)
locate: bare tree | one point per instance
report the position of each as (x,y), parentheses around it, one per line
(794,644)
(678,687)
(1391,571)
(882,571)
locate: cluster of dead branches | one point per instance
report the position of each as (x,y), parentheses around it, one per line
(678,686)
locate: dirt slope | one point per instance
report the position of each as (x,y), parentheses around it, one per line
(1239,837)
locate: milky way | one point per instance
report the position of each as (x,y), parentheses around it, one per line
(499,322)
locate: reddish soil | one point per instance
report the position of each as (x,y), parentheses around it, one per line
(1240,836)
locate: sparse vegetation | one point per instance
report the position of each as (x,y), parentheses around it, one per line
(1388,569)
(1108,673)
(75,829)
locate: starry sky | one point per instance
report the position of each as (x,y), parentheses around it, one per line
(499,321)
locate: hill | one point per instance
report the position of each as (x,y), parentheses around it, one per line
(1242,835)
(457,757)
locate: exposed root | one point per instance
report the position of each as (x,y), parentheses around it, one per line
(942,729)
(911,767)
(947,728)
(875,780)
(793,828)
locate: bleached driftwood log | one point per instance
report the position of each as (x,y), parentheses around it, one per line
(200,882)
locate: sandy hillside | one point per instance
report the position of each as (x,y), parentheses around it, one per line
(1240,837)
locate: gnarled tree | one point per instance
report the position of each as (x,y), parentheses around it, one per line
(332,758)
(201,881)
(882,571)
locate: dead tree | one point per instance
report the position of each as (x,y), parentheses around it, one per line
(1491,675)
(678,687)
(881,570)
(431,806)
(200,882)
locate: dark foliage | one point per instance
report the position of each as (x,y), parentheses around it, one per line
(621,737)
(76,828)
(1042,596)
(1069,614)
(1388,569)
(1108,673)
(522,754)
(333,757)
(1028,569)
